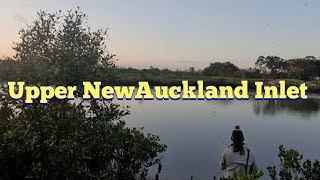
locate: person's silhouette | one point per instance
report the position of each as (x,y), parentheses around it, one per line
(237,158)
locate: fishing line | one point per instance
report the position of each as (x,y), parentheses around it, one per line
(222,141)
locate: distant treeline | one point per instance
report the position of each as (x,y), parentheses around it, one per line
(271,67)
(267,68)
(222,73)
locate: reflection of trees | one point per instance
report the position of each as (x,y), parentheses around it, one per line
(220,102)
(272,107)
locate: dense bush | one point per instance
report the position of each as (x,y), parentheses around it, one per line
(72,141)
(292,166)
(226,69)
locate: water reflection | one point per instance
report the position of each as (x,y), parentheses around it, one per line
(193,149)
(304,108)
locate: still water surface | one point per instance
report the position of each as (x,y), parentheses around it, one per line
(190,129)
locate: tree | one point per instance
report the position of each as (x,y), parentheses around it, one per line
(64,47)
(272,65)
(304,68)
(220,69)
(191,70)
(292,167)
(298,68)
(10,70)
(72,141)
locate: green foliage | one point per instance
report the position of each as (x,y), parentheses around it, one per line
(300,68)
(63,46)
(292,167)
(252,176)
(220,69)
(72,141)
(9,70)
(240,176)
(272,64)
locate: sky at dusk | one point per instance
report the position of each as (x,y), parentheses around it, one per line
(184,33)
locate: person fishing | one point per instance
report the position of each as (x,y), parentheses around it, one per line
(237,158)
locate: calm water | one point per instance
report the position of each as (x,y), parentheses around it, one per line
(188,128)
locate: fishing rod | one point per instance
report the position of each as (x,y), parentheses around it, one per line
(216,134)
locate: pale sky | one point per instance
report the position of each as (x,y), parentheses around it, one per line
(184,33)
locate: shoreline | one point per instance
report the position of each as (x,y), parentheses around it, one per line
(217,81)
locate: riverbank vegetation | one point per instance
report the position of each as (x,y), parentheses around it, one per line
(267,69)
(293,166)
(68,140)
(82,140)
(294,72)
